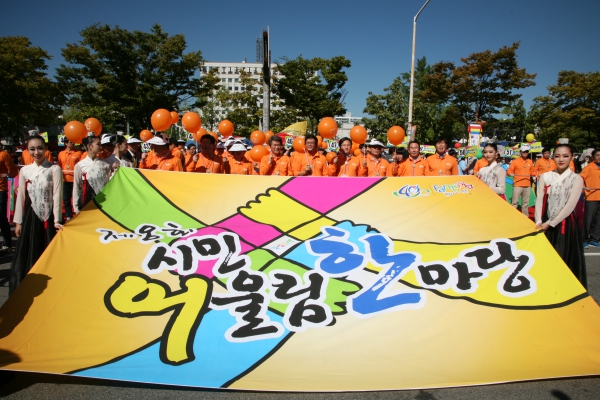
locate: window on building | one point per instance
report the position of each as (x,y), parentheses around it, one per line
(236,80)
(223,80)
(229,87)
(237,88)
(229,80)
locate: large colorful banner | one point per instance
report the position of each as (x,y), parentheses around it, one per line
(300,284)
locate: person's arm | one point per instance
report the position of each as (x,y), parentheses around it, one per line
(77,184)
(20,204)
(12,169)
(501,184)
(266,164)
(177,167)
(571,203)
(511,169)
(57,181)
(539,201)
(454,170)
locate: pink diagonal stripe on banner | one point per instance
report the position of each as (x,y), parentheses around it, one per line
(324,193)
(250,231)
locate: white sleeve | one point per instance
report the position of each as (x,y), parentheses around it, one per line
(77,183)
(20,203)
(539,201)
(501,184)
(57,180)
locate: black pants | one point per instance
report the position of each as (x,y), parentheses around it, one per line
(591,224)
(67,196)
(4,225)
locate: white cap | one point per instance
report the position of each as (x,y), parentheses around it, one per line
(237,147)
(525,147)
(229,140)
(157,140)
(375,142)
(220,145)
(133,140)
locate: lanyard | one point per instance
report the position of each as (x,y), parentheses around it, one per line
(204,163)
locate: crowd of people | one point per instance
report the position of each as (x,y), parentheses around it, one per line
(81,173)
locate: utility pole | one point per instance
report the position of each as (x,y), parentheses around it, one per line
(266,81)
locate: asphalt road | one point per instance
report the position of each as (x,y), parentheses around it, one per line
(45,386)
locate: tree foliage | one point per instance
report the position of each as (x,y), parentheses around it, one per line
(114,74)
(571,107)
(482,86)
(313,88)
(27,95)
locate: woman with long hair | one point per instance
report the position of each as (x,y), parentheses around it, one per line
(493,174)
(558,192)
(37,210)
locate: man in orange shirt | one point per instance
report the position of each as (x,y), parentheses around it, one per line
(544,164)
(66,161)
(276,163)
(8,169)
(440,163)
(520,169)
(591,179)
(415,165)
(208,161)
(163,160)
(346,163)
(191,158)
(175,150)
(311,163)
(373,164)
(238,165)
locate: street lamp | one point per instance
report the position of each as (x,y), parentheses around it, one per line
(412,73)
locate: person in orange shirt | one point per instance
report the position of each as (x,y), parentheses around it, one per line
(220,149)
(398,164)
(191,158)
(373,164)
(440,163)
(478,165)
(346,163)
(591,219)
(521,168)
(415,164)
(175,150)
(543,164)
(276,163)
(66,161)
(311,163)
(208,161)
(238,165)
(163,159)
(8,169)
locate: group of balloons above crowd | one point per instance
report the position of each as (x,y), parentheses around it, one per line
(162,120)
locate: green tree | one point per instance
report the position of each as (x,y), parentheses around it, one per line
(482,86)
(208,99)
(312,88)
(245,106)
(391,108)
(27,95)
(117,75)
(571,109)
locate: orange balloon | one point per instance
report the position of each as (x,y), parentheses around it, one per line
(75,131)
(330,156)
(328,128)
(268,135)
(355,146)
(191,122)
(161,120)
(325,145)
(258,152)
(257,137)
(319,141)
(357,152)
(93,125)
(358,134)
(396,135)
(146,135)
(198,135)
(226,128)
(298,144)
(174,117)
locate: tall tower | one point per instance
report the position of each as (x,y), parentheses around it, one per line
(259,49)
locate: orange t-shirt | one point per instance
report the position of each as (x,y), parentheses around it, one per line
(240,167)
(66,161)
(375,166)
(7,167)
(480,164)
(318,162)
(591,179)
(176,152)
(27,159)
(437,165)
(345,166)
(212,164)
(396,169)
(520,167)
(189,164)
(281,166)
(417,167)
(542,165)
(162,163)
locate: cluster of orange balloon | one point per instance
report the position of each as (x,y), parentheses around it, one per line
(75,131)
(258,138)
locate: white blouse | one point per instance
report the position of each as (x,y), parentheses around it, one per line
(494,176)
(563,194)
(44,185)
(96,172)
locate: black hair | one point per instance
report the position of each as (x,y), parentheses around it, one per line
(414,141)
(276,139)
(402,151)
(209,137)
(120,139)
(492,145)
(439,140)
(311,136)
(35,137)
(452,152)
(568,146)
(594,152)
(344,139)
(90,140)
(545,149)
(173,140)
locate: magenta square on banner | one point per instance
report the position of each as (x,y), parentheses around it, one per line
(324,193)
(252,232)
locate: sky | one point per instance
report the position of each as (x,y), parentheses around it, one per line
(376,35)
